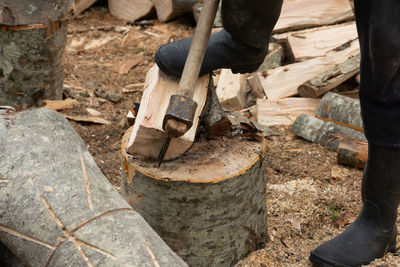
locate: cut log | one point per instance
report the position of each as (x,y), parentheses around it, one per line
(148,136)
(301,14)
(231,89)
(322,132)
(255,86)
(61,210)
(130,10)
(274,57)
(213,117)
(284,81)
(169,9)
(81,5)
(284,111)
(340,108)
(31,63)
(38,12)
(331,78)
(318,42)
(352,153)
(208,205)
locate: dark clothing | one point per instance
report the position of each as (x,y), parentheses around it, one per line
(378,24)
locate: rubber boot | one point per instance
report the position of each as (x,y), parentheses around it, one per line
(241,46)
(374,232)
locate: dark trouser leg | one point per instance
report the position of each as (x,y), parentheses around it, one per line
(374,232)
(240,46)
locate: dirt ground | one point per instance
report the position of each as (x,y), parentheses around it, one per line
(310,197)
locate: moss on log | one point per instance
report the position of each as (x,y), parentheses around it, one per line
(209,205)
(31,64)
(61,210)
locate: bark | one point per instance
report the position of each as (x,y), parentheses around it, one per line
(31,64)
(169,9)
(325,133)
(208,205)
(331,78)
(213,117)
(60,209)
(340,108)
(28,12)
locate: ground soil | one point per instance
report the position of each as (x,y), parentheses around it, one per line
(310,197)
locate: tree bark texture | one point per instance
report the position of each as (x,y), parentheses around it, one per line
(340,108)
(28,12)
(322,132)
(31,63)
(352,152)
(58,209)
(208,205)
(7,258)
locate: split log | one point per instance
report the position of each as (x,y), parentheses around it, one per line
(301,14)
(353,153)
(61,210)
(284,81)
(170,9)
(130,10)
(81,5)
(38,12)
(340,108)
(284,111)
(318,42)
(208,205)
(231,89)
(331,78)
(322,132)
(148,136)
(213,117)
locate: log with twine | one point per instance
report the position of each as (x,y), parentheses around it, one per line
(33,38)
(60,209)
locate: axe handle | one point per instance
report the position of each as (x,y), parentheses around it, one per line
(198,47)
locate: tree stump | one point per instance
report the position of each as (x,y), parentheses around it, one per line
(32,41)
(57,207)
(208,205)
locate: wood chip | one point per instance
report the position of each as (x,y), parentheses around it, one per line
(127,65)
(58,105)
(89,119)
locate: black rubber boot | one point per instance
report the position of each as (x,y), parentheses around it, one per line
(241,46)
(374,232)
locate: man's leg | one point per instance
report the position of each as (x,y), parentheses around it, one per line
(241,46)
(374,231)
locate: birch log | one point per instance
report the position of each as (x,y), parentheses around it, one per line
(208,205)
(322,132)
(61,210)
(340,108)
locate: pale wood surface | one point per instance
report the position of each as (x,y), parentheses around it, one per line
(231,89)
(169,9)
(284,111)
(318,42)
(209,204)
(284,81)
(81,5)
(300,14)
(331,78)
(61,210)
(148,135)
(130,10)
